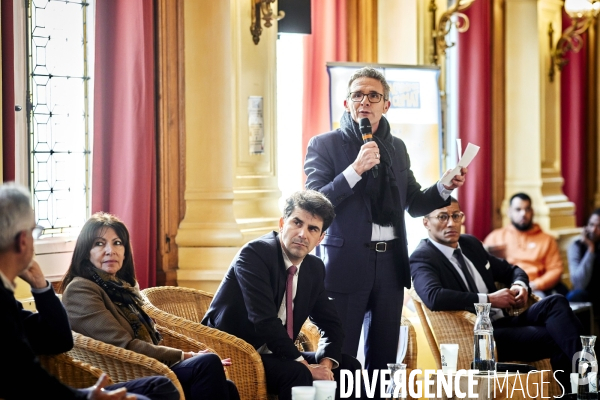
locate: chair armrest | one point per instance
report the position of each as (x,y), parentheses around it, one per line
(181,342)
(71,372)
(184,343)
(410,359)
(247,370)
(466,316)
(120,364)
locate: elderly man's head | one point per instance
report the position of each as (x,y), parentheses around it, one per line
(17,223)
(368,96)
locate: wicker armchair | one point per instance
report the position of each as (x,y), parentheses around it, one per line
(121,364)
(192,304)
(182,309)
(74,373)
(457,327)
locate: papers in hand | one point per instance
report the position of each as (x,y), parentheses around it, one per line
(464,161)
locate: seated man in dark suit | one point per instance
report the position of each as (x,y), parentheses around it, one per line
(25,334)
(452,272)
(272,286)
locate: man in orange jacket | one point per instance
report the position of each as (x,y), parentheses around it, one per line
(526,245)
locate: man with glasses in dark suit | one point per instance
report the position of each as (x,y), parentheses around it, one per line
(370,185)
(452,271)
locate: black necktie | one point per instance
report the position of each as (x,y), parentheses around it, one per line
(463,266)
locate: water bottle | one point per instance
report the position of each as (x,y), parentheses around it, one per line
(587,369)
(484,358)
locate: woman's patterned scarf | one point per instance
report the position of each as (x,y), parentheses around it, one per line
(128,299)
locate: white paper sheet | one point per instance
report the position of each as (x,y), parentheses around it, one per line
(465,160)
(256,141)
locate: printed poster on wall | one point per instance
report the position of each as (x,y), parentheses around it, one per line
(414,117)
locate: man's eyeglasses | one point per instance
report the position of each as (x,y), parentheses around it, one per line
(456,217)
(37,231)
(373,97)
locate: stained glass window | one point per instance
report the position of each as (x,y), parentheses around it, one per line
(58,106)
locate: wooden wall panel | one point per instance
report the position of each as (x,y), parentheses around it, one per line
(171,135)
(498,116)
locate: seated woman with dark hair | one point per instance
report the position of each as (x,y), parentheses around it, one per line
(103,301)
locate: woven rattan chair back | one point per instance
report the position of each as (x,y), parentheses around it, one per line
(187,303)
(446,327)
(247,370)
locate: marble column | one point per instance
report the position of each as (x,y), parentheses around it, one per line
(533,112)
(209,236)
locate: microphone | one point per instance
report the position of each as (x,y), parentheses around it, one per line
(367,135)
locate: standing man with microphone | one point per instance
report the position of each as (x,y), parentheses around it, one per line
(364,250)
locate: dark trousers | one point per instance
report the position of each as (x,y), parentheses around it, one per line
(547,329)
(579,295)
(282,374)
(150,388)
(377,307)
(203,377)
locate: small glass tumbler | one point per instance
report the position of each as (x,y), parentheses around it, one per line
(396,368)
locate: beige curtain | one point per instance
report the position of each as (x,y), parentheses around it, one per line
(362,31)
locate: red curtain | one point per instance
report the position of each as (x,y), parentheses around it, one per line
(475,116)
(8,93)
(124,152)
(327,43)
(573,85)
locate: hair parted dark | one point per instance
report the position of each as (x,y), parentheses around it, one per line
(92,229)
(520,195)
(596,212)
(313,202)
(452,200)
(370,72)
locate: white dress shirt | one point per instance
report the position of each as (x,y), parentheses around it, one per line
(495,313)
(384,233)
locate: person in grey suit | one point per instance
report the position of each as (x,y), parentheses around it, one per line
(444,282)
(255,303)
(364,250)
